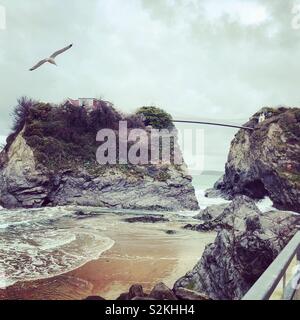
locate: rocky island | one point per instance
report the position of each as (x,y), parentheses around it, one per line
(265,161)
(50,160)
(262,162)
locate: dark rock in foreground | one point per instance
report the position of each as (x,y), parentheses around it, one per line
(161,292)
(94,298)
(142,298)
(246,245)
(135,291)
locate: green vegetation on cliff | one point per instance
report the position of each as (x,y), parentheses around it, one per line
(155,117)
(64,136)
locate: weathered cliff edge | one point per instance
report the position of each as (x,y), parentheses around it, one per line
(265,161)
(40,167)
(247,242)
(261,162)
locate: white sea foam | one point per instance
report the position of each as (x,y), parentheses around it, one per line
(265,205)
(37,244)
(205,202)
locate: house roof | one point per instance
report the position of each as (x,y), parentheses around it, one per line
(75,102)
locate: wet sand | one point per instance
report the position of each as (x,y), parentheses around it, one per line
(143,253)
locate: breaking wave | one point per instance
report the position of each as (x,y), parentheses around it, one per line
(41,243)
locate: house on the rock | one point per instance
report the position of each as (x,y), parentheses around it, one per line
(262,117)
(88,103)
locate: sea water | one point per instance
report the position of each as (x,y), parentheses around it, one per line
(207,180)
(41,243)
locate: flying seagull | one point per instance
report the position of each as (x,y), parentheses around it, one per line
(52,57)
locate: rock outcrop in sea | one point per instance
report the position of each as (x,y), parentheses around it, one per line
(265,161)
(50,160)
(246,244)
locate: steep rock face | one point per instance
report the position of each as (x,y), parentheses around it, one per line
(39,168)
(25,183)
(241,252)
(22,185)
(266,161)
(226,216)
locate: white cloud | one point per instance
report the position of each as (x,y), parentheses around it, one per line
(197,59)
(2,18)
(247,12)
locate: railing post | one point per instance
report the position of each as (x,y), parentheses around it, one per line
(291,288)
(298,270)
(283,286)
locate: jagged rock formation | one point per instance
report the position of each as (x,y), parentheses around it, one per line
(162,292)
(50,160)
(211,212)
(135,291)
(266,161)
(225,216)
(159,292)
(247,242)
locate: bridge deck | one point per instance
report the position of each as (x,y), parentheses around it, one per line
(213,124)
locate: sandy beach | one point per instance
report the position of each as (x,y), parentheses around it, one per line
(142,253)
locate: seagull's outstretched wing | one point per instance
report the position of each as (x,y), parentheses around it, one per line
(55,54)
(38,64)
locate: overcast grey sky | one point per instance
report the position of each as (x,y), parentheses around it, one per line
(198,59)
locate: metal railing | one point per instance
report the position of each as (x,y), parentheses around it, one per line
(269,280)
